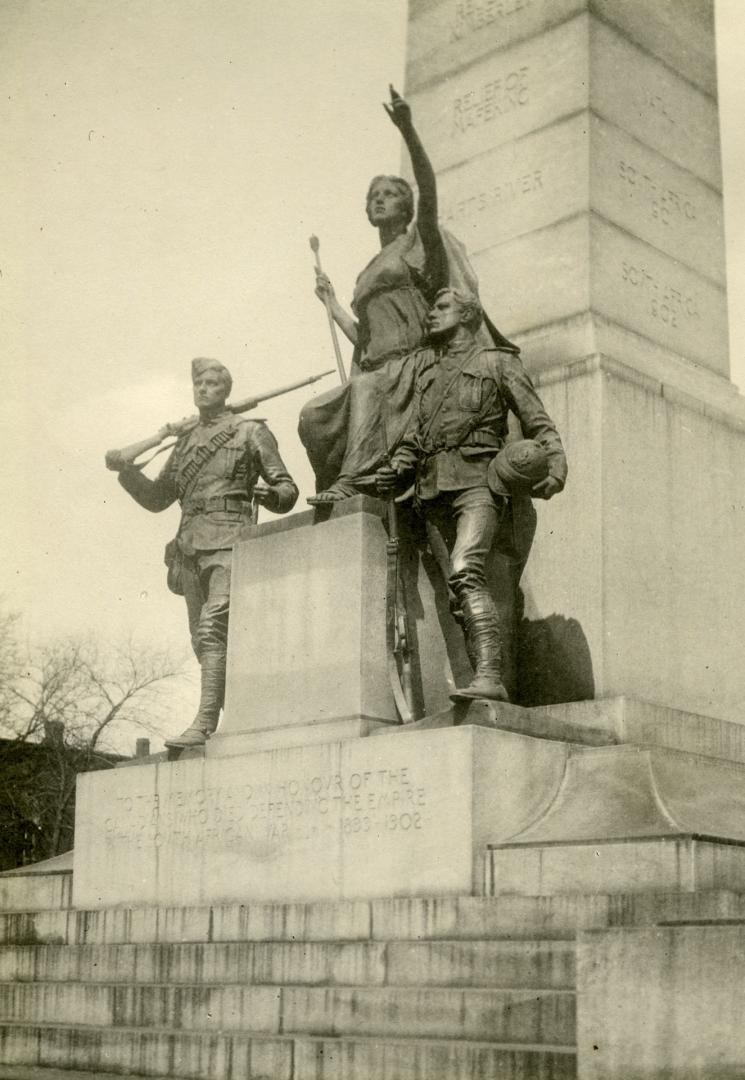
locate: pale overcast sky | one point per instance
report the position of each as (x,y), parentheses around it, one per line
(167,161)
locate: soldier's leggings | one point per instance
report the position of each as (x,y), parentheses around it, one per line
(207,595)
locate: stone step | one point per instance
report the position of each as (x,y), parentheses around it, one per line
(39,1072)
(509,964)
(515,1016)
(33,892)
(180,1055)
(465,917)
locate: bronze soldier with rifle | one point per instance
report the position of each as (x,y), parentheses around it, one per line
(214,472)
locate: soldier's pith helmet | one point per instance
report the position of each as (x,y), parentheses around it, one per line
(517,467)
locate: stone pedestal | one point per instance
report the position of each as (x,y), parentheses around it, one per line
(403,814)
(456,808)
(307,646)
(634,586)
(302,608)
(311,790)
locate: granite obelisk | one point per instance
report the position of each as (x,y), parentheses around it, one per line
(577,145)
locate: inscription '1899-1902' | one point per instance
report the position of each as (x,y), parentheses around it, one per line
(491,100)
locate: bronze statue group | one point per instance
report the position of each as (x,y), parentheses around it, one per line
(423,415)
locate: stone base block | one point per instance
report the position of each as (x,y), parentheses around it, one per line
(307,643)
(662,1002)
(622,593)
(304,592)
(630,792)
(678,864)
(413,811)
(47,885)
(403,814)
(601,722)
(503,1015)
(353,931)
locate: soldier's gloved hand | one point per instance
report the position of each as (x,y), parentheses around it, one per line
(546,489)
(386,480)
(264,495)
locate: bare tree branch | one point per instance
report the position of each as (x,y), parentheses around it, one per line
(64,708)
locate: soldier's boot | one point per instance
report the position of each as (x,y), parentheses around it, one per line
(484,645)
(210,703)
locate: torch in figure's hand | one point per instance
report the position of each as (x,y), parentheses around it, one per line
(325,291)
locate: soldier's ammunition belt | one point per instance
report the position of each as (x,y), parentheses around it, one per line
(220,503)
(483,440)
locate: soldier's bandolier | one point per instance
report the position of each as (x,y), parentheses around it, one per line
(213,472)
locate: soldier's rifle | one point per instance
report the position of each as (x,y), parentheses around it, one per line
(128,454)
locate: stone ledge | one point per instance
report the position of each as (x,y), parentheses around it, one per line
(682,863)
(357,504)
(504,918)
(600,722)
(302,1057)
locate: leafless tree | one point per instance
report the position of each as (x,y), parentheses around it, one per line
(68,707)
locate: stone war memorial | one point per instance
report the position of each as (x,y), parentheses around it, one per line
(446,831)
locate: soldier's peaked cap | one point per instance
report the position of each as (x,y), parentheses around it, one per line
(200,364)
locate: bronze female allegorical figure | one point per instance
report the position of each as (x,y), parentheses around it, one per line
(350,431)
(342,429)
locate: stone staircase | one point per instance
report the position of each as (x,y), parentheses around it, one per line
(459,988)
(351,990)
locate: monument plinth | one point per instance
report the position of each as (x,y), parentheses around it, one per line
(290,799)
(302,801)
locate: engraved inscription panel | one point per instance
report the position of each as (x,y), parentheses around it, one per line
(586,264)
(270,814)
(551,174)
(642,96)
(446,36)
(518,187)
(505,96)
(657,201)
(359,818)
(646,291)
